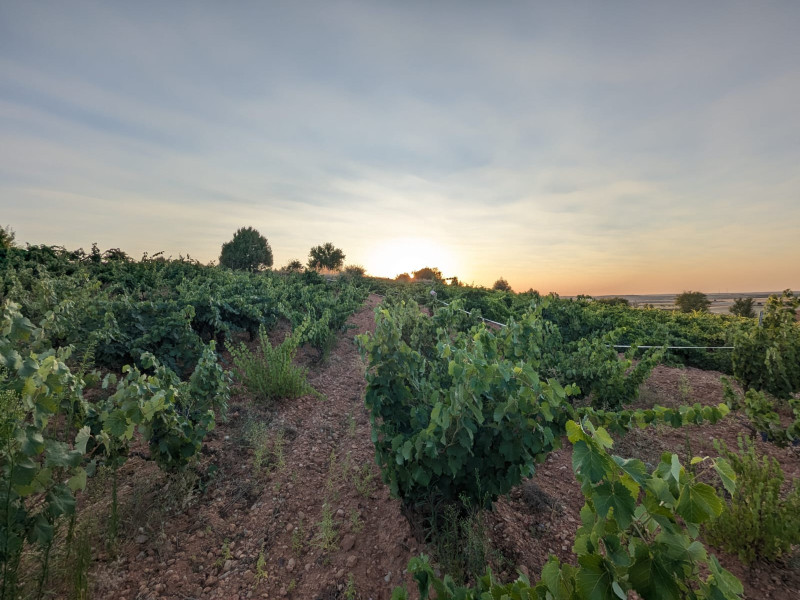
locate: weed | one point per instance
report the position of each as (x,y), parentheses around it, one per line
(224,555)
(460,540)
(291,586)
(326,538)
(80,563)
(363,480)
(269,373)
(298,539)
(278,458)
(350,592)
(684,388)
(261,563)
(759,523)
(256,435)
(356,524)
(351,425)
(362,477)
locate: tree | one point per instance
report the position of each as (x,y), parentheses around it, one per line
(614,301)
(501,285)
(743,307)
(247,251)
(692,301)
(428,274)
(6,237)
(403,277)
(326,256)
(294,266)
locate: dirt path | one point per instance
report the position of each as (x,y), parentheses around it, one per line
(315,521)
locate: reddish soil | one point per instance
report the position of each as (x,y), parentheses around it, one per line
(259,533)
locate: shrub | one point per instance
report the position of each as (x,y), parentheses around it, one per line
(743,307)
(501,285)
(247,251)
(269,373)
(758,524)
(354,271)
(403,277)
(326,256)
(692,301)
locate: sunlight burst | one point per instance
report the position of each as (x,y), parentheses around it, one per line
(404,255)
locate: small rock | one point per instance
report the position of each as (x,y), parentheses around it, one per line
(229,564)
(211,580)
(290,565)
(340,513)
(248,576)
(352,560)
(308,566)
(141,539)
(348,542)
(339,573)
(388,577)
(289,527)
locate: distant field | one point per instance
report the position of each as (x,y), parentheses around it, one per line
(720,303)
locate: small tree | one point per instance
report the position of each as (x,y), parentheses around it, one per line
(692,301)
(6,237)
(247,251)
(428,274)
(403,277)
(743,307)
(294,266)
(501,285)
(326,256)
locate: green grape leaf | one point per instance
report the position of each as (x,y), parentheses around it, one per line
(614,496)
(594,579)
(591,463)
(698,503)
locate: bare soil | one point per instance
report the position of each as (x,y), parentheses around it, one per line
(316,522)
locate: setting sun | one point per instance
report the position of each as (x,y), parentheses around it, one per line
(404,255)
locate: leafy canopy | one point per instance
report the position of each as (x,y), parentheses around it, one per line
(247,251)
(692,301)
(326,256)
(502,285)
(6,237)
(428,273)
(743,307)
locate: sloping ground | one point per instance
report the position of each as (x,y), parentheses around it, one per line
(315,521)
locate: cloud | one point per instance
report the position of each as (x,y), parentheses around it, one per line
(569,148)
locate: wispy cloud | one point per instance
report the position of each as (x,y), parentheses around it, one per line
(582,148)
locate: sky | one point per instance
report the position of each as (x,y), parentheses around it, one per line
(576,147)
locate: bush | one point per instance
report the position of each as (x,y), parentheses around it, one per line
(247,251)
(692,301)
(403,277)
(326,256)
(758,524)
(501,285)
(743,307)
(354,271)
(269,373)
